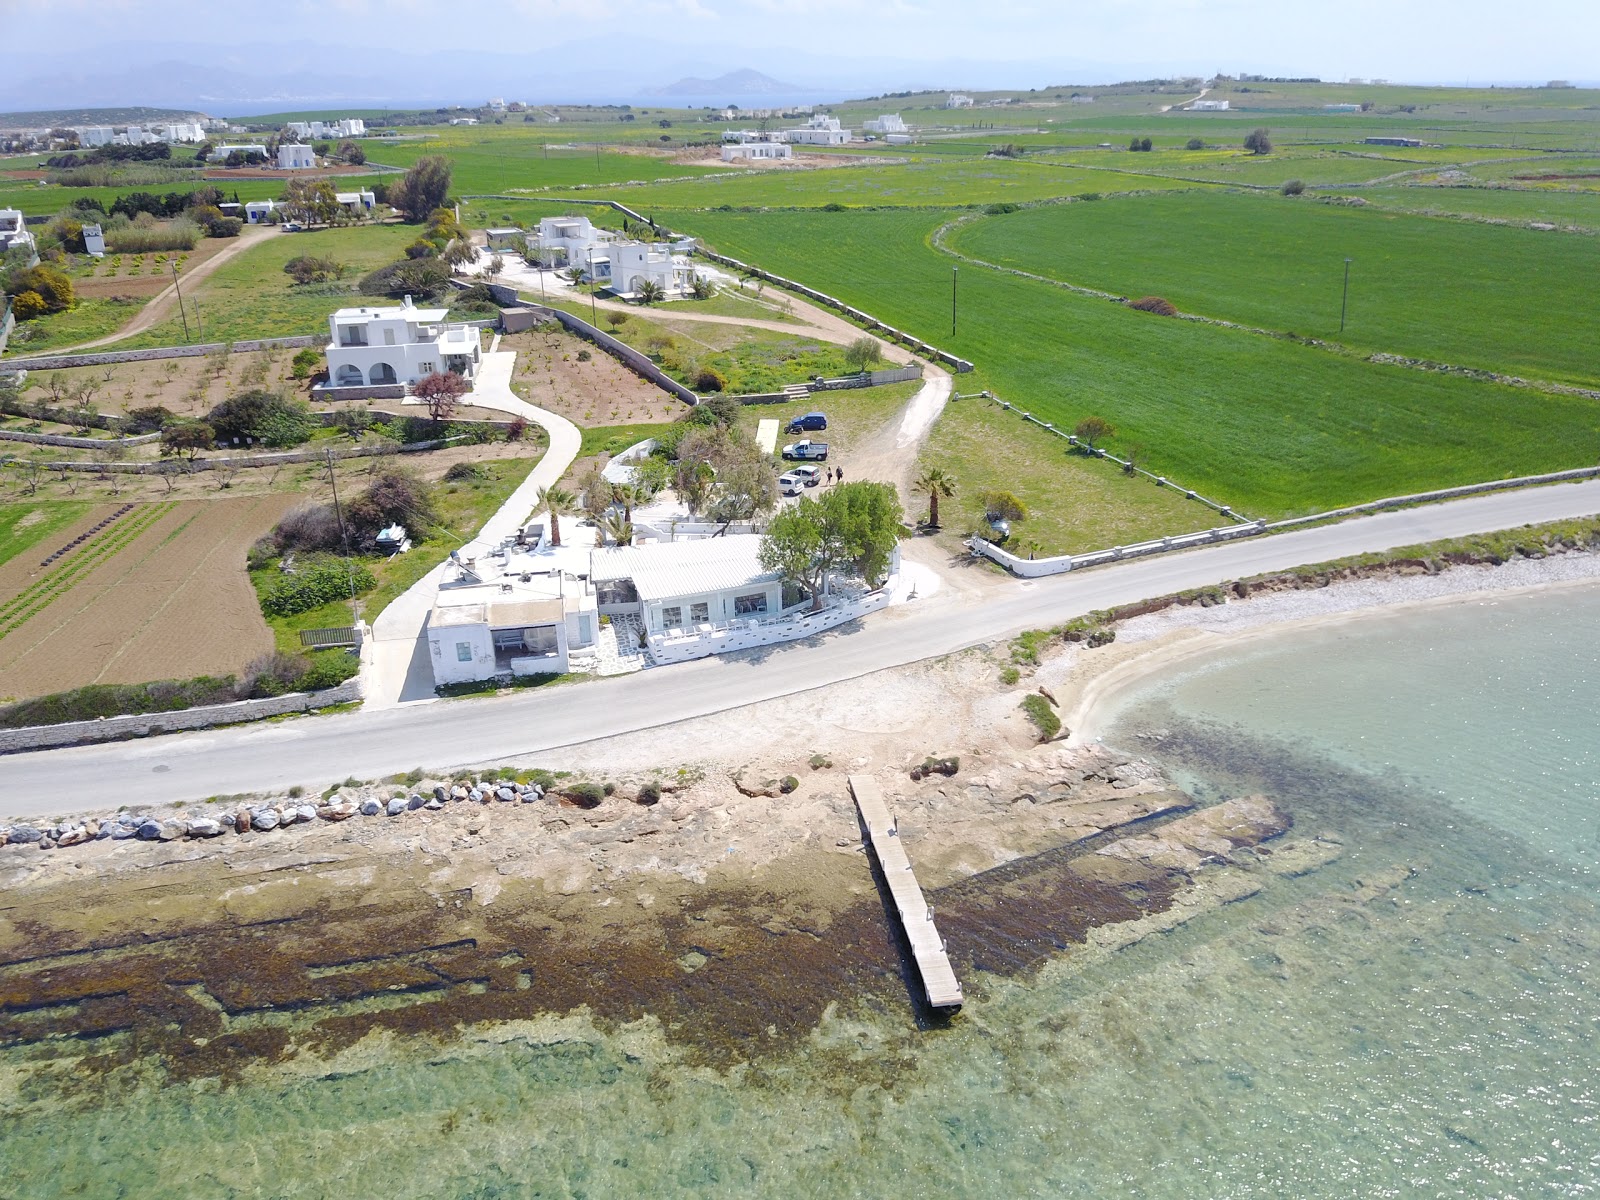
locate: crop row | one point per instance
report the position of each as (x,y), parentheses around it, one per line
(85,536)
(24,607)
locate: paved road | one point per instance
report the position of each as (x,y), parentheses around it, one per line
(368,744)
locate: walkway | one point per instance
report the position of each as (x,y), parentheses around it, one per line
(401,672)
(179,768)
(916,918)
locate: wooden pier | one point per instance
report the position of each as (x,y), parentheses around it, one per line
(933,964)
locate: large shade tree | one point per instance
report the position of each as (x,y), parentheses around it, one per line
(854,527)
(424,188)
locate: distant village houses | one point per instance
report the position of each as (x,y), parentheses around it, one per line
(890,123)
(346,127)
(957,100)
(820,130)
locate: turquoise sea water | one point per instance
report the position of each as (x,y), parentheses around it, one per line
(1418,1017)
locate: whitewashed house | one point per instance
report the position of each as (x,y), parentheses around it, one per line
(375,346)
(755,151)
(345,127)
(497,104)
(572,241)
(691,586)
(292,157)
(14,234)
(183,132)
(889,123)
(356,202)
(96,135)
(351,127)
(897,139)
(631,264)
(509,238)
(957,100)
(259,212)
(820,130)
(94,241)
(220,153)
(1207,106)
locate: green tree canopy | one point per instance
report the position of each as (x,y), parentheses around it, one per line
(263,417)
(854,527)
(424,188)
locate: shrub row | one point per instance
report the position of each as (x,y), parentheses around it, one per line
(315,582)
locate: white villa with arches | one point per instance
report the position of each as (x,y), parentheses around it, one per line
(376,346)
(633,263)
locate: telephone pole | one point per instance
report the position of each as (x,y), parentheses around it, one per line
(953,271)
(181,312)
(1344,303)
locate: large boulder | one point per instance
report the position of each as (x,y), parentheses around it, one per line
(505,794)
(440,792)
(23,834)
(397,806)
(336,812)
(75,836)
(205,827)
(265,820)
(414,801)
(242,820)
(150,831)
(121,832)
(289,815)
(370,807)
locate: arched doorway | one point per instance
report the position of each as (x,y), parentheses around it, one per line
(349,376)
(382,373)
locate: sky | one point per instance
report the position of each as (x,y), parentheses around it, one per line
(819,41)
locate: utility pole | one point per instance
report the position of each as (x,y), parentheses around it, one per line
(344,537)
(1344,303)
(181,311)
(953,271)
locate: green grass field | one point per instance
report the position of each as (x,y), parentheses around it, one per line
(1578,209)
(26,523)
(37,199)
(1272,427)
(1504,299)
(251,297)
(494,158)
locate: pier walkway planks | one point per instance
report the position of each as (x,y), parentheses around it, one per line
(938,977)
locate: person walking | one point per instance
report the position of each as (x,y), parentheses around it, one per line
(839,475)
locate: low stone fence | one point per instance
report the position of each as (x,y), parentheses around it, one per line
(673,648)
(76,443)
(1030,568)
(172,466)
(869,379)
(917,345)
(367,391)
(113,729)
(105,358)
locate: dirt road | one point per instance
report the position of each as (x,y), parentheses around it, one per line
(164,301)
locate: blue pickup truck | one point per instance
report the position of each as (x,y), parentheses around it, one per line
(811,422)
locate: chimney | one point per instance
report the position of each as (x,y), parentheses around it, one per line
(408,303)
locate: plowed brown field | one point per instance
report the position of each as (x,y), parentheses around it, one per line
(170,601)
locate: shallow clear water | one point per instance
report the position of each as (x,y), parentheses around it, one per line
(1417,1018)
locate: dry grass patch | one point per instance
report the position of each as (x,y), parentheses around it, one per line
(552,374)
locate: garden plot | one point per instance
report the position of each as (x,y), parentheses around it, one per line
(160,593)
(597,391)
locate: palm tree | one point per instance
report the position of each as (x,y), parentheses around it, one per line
(560,503)
(573,275)
(936,482)
(630,495)
(650,292)
(618,528)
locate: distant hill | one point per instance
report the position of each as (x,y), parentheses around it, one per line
(734,83)
(64,117)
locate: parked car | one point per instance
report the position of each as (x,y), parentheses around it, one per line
(790,484)
(810,476)
(291,227)
(810,423)
(806,451)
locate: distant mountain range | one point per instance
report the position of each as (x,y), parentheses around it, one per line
(734,83)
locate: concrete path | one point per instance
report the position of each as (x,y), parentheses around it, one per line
(401,672)
(369,744)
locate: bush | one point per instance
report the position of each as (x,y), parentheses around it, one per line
(1000,210)
(394,497)
(422,278)
(119,699)
(223,227)
(309,268)
(585,795)
(305,362)
(49,284)
(649,793)
(789,784)
(1194,144)
(1294,187)
(150,419)
(421,248)
(329,668)
(709,379)
(274,674)
(462,472)
(180,235)
(1043,716)
(584,356)
(308,529)
(316,581)
(263,417)
(1154,304)
(29,305)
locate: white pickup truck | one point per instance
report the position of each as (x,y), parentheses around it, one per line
(806,451)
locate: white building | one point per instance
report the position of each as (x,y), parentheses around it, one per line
(352,127)
(520,625)
(820,130)
(691,586)
(96,135)
(509,238)
(746,151)
(957,100)
(570,240)
(1207,106)
(356,202)
(463,120)
(184,132)
(375,346)
(897,139)
(292,157)
(631,264)
(497,104)
(889,123)
(345,127)
(94,241)
(220,153)
(259,212)
(14,233)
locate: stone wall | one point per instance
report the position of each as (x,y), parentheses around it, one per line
(112,729)
(75,443)
(626,354)
(103,358)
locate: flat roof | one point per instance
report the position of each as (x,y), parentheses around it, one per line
(410,314)
(674,569)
